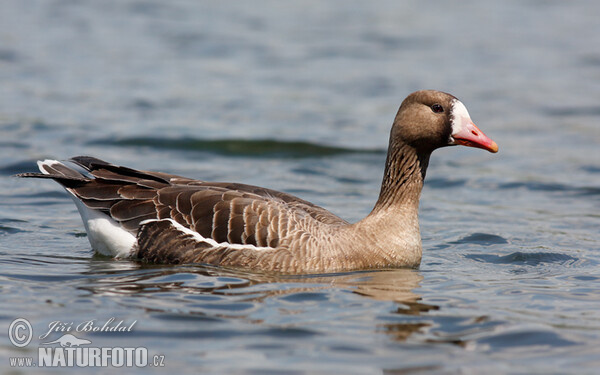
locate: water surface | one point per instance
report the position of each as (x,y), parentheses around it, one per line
(300,98)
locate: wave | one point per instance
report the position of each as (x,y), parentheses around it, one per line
(551,187)
(524,258)
(237,147)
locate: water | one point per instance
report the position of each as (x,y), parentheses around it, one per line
(300,98)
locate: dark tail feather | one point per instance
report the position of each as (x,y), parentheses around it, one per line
(58,172)
(101,170)
(93,164)
(58,169)
(67,182)
(90,163)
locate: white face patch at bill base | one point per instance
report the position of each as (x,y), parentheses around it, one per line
(460,117)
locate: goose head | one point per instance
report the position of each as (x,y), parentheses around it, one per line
(430,119)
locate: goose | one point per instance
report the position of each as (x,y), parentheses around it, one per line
(157,217)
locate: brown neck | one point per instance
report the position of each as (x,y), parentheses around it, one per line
(392,228)
(402,179)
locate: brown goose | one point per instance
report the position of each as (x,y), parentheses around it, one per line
(163,218)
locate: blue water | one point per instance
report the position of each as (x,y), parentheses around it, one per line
(300,97)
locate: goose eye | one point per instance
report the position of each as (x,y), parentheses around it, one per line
(437,108)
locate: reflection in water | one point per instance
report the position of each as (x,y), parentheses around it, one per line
(215,294)
(219,293)
(402,331)
(386,285)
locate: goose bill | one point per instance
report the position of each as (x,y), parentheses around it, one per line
(464,131)
(470,135)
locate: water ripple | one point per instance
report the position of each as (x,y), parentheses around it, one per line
(524,258)
(572,111)
(19,167)
(237,147)
(6,226)
(441,182)
(591,168)
(525,338)
(551,187)
(9,56)
(483,239)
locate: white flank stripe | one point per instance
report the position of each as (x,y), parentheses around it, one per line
(198,237)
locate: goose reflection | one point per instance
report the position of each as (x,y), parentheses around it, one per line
(126,277)
(220,293)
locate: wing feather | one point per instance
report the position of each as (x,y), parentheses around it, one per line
(98,191)
(220,229)
(136,192)
(236,214)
